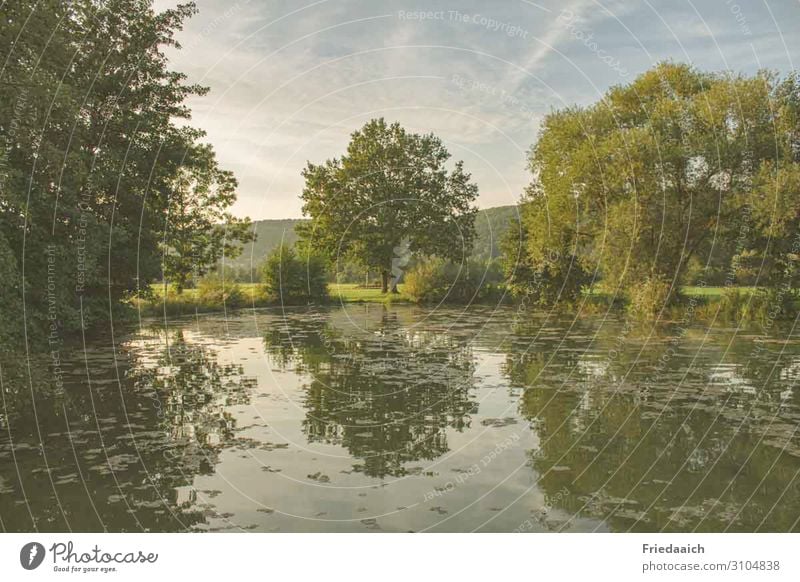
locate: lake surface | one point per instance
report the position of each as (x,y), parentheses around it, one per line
(367,418)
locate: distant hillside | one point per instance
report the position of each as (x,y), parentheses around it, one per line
(490,225)
(270,234)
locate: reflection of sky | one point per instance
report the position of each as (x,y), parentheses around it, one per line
(730,377)
(592,367)
(791,371)
(290,81)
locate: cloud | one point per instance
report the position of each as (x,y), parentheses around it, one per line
(290,82)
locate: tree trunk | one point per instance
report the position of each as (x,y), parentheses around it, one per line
(384,281)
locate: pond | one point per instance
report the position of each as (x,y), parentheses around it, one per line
(369,418)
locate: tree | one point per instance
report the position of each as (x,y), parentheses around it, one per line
(389,193)
(770,249)
(93,139)
(199,232)
(295,278)
(655,174)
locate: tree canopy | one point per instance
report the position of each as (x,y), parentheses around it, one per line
(676,166)
(95,152)
(390,193)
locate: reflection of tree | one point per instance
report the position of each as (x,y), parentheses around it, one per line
(387,394)
(194,390)
(673,439)
(109,445)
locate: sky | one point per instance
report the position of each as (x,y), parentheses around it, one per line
(290,80)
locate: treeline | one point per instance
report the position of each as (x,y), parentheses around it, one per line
(491,225)
(104,187)
(680,178)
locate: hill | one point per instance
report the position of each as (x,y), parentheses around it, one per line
(270,234)
(490,225)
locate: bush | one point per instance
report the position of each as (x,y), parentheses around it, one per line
(649,297)
(215,291)
(435,280)
(293,279)
(549,278)
(759,306)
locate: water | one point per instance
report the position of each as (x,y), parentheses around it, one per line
(373,418)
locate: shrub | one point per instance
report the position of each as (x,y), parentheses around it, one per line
(649,297)
(760,306)
(548,278)
(290,278)
(213,291)
(435,280)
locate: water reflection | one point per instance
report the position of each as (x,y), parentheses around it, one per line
(385,393)
(700,440)
(405,419)
(118,444)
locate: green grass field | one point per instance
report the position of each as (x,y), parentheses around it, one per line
(715,292)
(347,292)
(351,293)
(249,290)
(188,302)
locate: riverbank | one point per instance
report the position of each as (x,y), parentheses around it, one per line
(749,304)
(248,295)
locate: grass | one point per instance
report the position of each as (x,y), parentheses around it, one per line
(187,303)
(249,290)
(695,291)
(710,293)
(714,292)
(351,293)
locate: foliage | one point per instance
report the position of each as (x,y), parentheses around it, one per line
(94,141)
(773,258)
(246,266)
(491,225)
(216,291)
(437,280)
(542,279)
(673,167)
(11,297)
(390,191)
(649,297)
(491,229)
(762,306)
(292,277)
(199,231)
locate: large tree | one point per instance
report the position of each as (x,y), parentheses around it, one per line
(199,231)
(389,195)
(657,173)
(93,137)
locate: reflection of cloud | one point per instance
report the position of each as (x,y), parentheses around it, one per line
(290,82)
(729,376)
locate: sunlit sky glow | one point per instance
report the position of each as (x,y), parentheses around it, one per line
(290,80)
